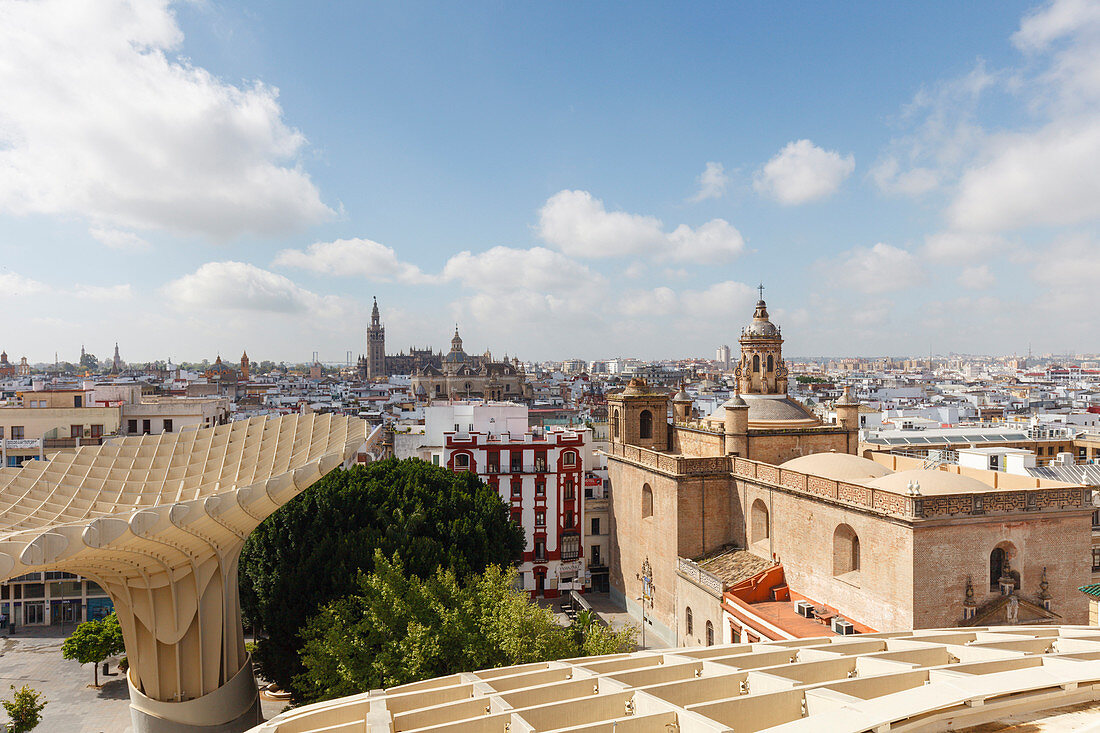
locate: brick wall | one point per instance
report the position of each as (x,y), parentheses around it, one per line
(945,553)
(801,537)
(778,448)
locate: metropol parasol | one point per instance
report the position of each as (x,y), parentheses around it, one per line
(158,521)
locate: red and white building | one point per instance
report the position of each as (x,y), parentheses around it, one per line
(539,473)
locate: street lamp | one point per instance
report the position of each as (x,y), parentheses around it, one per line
(646,576)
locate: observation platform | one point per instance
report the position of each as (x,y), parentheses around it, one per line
(926,680)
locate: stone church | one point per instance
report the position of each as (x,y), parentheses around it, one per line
(462,376)
(435,375)
(884,540)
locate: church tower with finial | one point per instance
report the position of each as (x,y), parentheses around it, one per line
(376,345)
(116,362)
(761,369)
(245,367)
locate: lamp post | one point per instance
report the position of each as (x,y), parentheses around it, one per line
(646,576)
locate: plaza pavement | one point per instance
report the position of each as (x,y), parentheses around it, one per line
(33,657)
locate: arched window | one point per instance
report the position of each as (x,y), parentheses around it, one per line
(710,634)
(462,460)
(614,424)
(845,550)
(759,528)
(645,424)
(1003,554)
(771,363)
(647,501)
(756,362)
(690,621)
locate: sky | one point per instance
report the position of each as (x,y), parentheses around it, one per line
(560,180)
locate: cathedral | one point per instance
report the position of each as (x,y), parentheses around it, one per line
(376,364)
(435,375)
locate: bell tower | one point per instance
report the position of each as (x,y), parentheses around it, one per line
(761,369)
(639,416)
(376,345)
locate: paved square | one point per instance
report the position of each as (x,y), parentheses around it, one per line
(33,657)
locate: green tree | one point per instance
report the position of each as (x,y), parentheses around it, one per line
(24,709)
(398,628)
(88,361)
(93,641)
(311,551)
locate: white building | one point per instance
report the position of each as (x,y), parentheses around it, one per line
(540,474)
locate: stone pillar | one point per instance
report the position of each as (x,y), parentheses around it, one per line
(737,426)
(970,606)
(847,417)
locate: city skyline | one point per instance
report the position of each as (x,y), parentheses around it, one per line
(567,181)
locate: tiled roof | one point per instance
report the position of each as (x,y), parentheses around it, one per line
(733,565)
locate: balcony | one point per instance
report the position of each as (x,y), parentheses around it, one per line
(515,469)
(62,443)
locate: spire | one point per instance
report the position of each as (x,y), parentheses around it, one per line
(374,317)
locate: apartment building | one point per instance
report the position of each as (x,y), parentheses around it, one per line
(539,473)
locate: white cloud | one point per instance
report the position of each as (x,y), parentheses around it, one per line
(718,301)
(660,301)
(878,269)
(1049,177)
(889,177)
(965,245)
(99,121)
(723,300)
(715,241)
(940,135)
(355,257)
(1044,174)
(803,172)
(240,286)
(506,270)
(977,277)
(1053,20)
(118,239)
(105,293)
(712,182)
(13,284)
(578,224)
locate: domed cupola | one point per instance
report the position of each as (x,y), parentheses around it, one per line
(761,326)
(761,369)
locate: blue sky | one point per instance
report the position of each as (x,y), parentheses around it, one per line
(562,179)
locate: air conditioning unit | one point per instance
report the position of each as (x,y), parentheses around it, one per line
(842,627)
(804,608)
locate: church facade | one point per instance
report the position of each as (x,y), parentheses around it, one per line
(881,540)
(462,376)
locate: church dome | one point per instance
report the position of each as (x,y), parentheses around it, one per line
(931,481)
(837,466)
(761,326)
